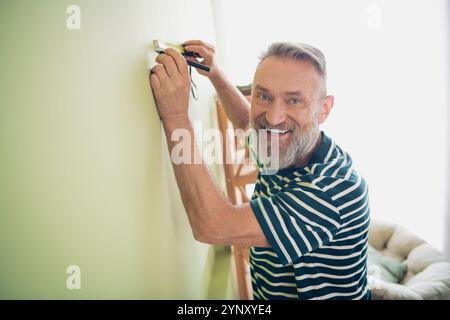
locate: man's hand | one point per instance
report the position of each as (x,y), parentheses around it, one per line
(170,83)
(205,51)
(234,103)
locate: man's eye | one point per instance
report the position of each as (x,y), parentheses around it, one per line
(263,97)
(294,101)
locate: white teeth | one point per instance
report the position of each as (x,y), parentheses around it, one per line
(277,131)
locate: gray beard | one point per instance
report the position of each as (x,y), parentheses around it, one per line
(300,144)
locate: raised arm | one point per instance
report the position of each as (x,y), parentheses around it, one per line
(212,217)
(235,104)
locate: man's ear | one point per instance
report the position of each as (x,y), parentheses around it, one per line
(326,107)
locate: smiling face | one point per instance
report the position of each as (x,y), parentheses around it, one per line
(288,104)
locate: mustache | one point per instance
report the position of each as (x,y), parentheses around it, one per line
(261,123)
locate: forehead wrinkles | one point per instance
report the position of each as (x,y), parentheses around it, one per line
(281,87)
(284,86)
(280,76)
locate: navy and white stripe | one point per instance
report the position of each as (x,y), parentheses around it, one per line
(316,219)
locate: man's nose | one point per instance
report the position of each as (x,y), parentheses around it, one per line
(275,114)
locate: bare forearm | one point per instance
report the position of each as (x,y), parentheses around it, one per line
(235,104)
(212,217)
(202,199)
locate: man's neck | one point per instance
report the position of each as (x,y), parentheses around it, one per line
(303,161)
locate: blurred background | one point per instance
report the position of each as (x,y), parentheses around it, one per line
(388,68)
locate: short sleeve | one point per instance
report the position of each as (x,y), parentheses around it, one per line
(296,221)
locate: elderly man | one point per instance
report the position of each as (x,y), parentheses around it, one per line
(307,224)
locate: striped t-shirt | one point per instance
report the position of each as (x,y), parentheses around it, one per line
(316,219)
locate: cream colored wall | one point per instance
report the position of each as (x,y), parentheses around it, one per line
(85,176)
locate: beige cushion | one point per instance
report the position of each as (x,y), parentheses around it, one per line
(428,275)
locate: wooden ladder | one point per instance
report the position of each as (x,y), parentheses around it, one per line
(238,175)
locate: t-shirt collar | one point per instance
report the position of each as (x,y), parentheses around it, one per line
(322,151)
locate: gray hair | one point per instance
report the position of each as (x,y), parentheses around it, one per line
(302,52)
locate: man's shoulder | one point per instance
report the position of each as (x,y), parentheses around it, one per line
(336,178)
(336,163)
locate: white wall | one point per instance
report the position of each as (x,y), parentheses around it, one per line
(389,75)
(85,176)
